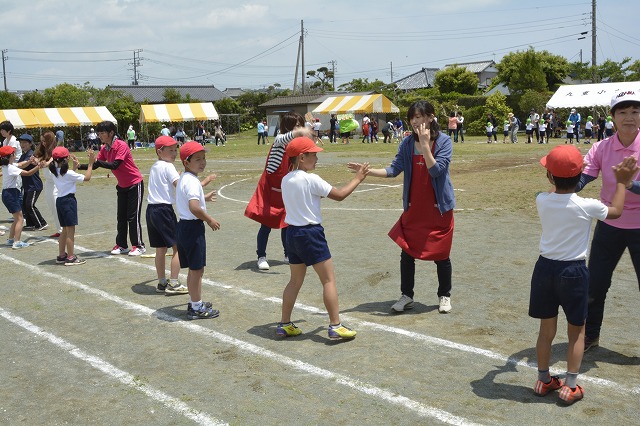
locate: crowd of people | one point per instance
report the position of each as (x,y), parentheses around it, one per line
(288,197)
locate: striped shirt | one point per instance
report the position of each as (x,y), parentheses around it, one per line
(277,151)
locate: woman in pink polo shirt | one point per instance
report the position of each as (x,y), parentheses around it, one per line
(612,237)
(115,155)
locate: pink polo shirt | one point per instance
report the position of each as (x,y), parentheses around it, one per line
(127,173)
(600,158)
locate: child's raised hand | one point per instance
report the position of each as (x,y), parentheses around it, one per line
(362,171)
(353,166)
(75,160)
(207,180)
(626,170)
(92,156)
(211,196)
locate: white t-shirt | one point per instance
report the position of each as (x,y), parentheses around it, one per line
(301,193)
(542,126)
(188,188)
(11,177)
(588,125)
(566,224)
(67,184)
(12,141)
(316,126)
(161,178)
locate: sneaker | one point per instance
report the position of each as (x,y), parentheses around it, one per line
(10,241)
(61,259)
(445,305)
(119,250)
(161,287)
(591,342)
(43,227)
(176,289)
(569,396)
(262,264)
(29,228)
(73,261)
(541,388)
(286,260)
(205,311)
(56,235)
(137,251)
(19,244)
(341,332)
(287,330)
(405,302)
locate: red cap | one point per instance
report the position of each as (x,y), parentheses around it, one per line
(60,152)
(6,151)
(163,141)
(563,161)
(190,148)
(300,145)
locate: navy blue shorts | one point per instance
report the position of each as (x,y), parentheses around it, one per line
(192,247)
(67,208)
(161,225)
(506,133)
(12,199)
(588,133)
(560,283)
(307,244)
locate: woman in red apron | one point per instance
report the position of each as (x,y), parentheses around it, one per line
(425,228)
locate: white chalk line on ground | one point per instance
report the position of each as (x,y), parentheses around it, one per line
(374,391)
(114,372)
(431,340)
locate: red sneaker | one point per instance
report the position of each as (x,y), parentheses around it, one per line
(541,388)
(569,396)
(56,235)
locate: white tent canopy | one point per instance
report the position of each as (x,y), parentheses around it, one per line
(589,95)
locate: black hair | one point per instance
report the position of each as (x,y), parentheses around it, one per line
(7,126)
(290,120)
(624,104)
(63,163)
(566,183)
(4,161)
(424,108)
(106,126)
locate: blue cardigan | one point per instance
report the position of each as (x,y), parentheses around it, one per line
(439,172)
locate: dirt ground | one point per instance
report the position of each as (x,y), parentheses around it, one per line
(95,344)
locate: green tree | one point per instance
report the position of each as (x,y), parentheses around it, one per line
(324,76)
(633,71)
(228,106)
(531,99)
(612,71)
(497,105)
(363,85)
(10,100)
(456,79)
(532,70)
(172,96)
(66,95)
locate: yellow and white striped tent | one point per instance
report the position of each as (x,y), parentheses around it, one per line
(56,117)
(178,113)
(357,104)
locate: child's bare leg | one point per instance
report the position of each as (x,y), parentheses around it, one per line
(546,335)
(70,239)
(575,349)
(290,293)
(175,264)
(326,273)
(62,243)
(160,262)
(194,284)
(15,231)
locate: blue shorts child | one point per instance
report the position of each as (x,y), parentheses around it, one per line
(12,199)
(506,133)
(307,244)
(557,283)
(67,208)
(161,225)
(192,246)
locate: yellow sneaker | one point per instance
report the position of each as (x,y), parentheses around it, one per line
(287,330)
(341,332)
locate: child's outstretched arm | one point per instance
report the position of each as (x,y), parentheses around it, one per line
(194,207)
(92,159)
(30,171)
(339,194)
(624,173)
(206,181)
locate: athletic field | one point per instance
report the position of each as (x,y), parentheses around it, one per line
(95,344)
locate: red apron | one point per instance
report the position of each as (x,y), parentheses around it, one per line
(266,205)
(422,231)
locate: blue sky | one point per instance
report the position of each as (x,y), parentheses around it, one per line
(254,44)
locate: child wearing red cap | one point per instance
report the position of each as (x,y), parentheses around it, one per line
(306,243)
(65,181)
(560,276)
(192,211)
(12,193)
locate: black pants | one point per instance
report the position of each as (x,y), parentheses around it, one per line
(607,247)
(408,274)
(31,213)
(128,215)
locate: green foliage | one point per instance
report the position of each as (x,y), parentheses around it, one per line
(324,76)
(497,105)
(228,106)
(532,70)
(533,100)
(633,71)
(10,100)
(612,71)
(363,85)
(475,119)
(471,101)
(456,79)
(171,96)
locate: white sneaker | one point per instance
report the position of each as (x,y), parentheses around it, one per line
(119,250)
(286,260)
(445,305)
(137,251)
(405,302)
(263,265)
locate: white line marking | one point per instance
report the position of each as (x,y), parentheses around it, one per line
(380,393)
(114,372)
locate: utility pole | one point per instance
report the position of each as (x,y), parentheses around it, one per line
(333,73)
(593,41)
(302,75)
(4,72)
(300,55)
(136,63)
(391,72)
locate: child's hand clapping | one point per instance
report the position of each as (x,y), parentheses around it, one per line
(92,156)
(626,170)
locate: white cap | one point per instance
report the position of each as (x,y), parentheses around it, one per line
(625,96)
(573,110)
